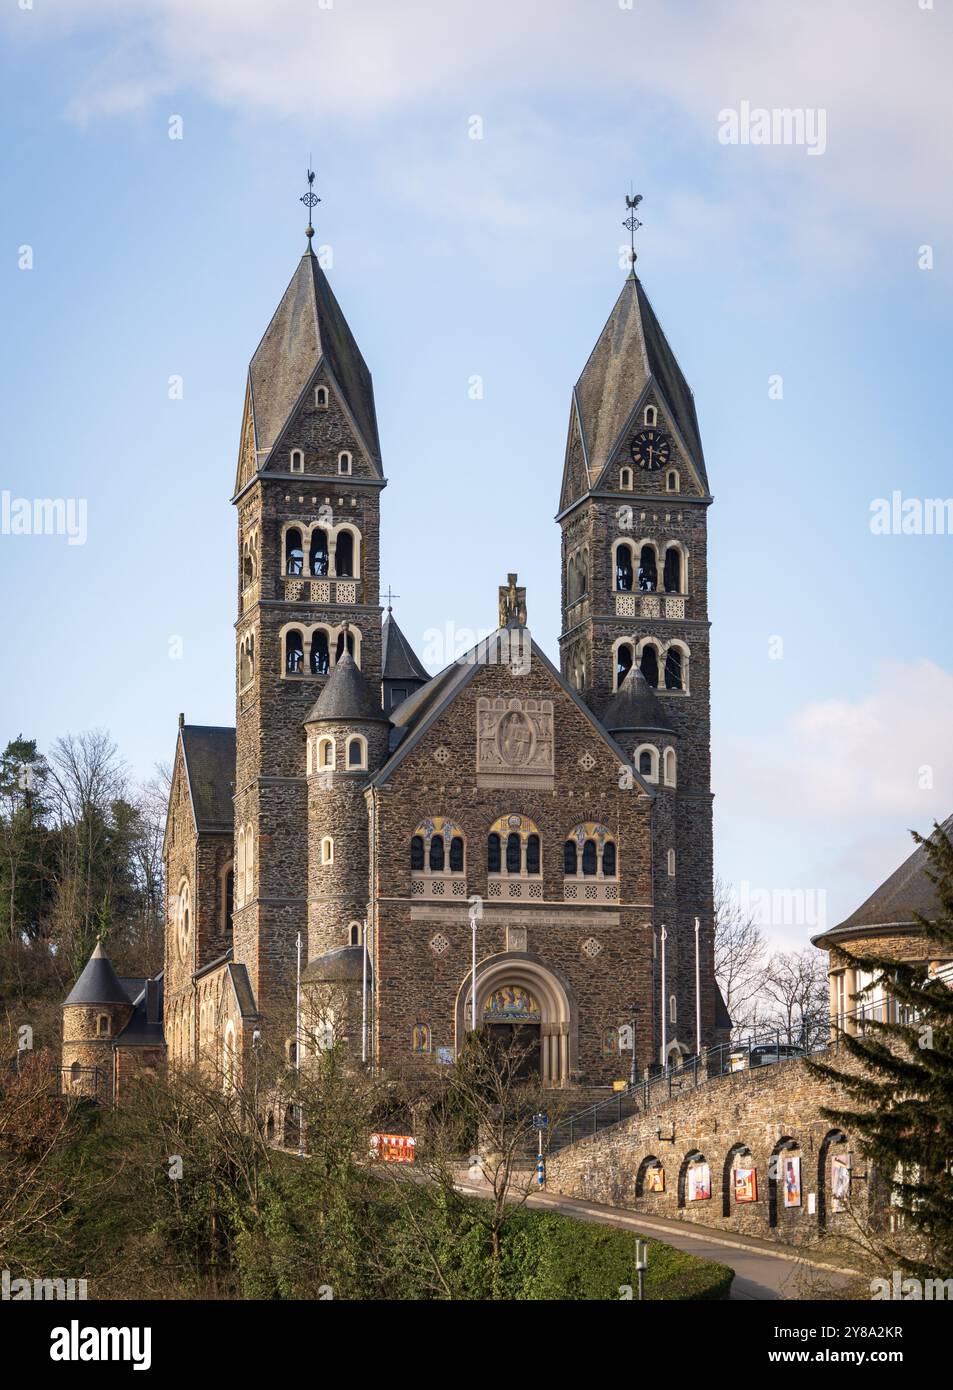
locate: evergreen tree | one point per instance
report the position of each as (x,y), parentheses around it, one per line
(902,1092)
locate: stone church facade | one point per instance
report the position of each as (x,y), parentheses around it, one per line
(365,822)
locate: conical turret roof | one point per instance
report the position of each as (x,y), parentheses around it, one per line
(98,983)
(401,662)
(346,696)
(635,707)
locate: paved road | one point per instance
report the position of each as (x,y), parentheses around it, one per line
(760,1273)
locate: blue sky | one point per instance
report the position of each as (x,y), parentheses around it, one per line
(454,257)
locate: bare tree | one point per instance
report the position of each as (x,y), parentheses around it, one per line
(740,959)
(795,990)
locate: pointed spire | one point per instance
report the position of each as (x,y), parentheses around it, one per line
(631,354)
(400,662)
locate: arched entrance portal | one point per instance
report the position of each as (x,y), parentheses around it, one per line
(524,1004)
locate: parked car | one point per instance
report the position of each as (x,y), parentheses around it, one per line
(764,1055)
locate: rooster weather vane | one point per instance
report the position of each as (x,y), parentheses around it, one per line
(310,200)
(632,224)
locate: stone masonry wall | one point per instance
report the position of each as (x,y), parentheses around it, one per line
(759,1110)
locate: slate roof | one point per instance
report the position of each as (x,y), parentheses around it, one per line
(210,768)
(399,658)
(144,1028)
(346,695)
(343,966)
(631,352)
(307,330)
(98,983)
(906,892)
(636,707)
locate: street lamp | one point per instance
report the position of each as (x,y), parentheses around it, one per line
(476,914)
(631,1010)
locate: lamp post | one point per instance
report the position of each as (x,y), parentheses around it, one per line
(476,914)
(632,1068)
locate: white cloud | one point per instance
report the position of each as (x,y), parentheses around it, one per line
(830,804)
(877,67)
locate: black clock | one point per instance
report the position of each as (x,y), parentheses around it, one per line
(650,449)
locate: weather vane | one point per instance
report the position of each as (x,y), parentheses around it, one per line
(632,224)
(310,200)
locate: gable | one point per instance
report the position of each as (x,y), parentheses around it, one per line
(691,481)
(322,433)
(484,725)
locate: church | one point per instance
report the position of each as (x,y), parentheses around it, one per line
(517,843)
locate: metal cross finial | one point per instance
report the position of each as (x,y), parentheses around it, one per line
(632,223)
(310,200)
(390,596)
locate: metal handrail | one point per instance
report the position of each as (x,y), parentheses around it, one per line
(813,1033)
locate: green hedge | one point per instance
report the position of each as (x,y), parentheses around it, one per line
(560,1257)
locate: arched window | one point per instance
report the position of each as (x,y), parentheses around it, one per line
(344,553)
(344,465)
(355,933)
(294,553)
(493,854)
(673,669)
(318,551)
(648,570)
(320,653)
(456,854)
(297,461)
(647,761)
(670,767)
(513,853)
(249,862)
(246,660)
(532,854)
(651,415)
(357,751)
(327,850)
(623,662)
(321,397)
(672,576)
(589,858)
(625,479)
(229,907)
(294,652)
(436,854)
(649,666)
(326,752)
(608,859)
(103,1028)
(417,854)
(570,859)
(672,1008)
(345,639)
(240,859)
(671,863)
(671,481)
(623,568)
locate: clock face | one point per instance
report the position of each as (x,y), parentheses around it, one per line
(651,449)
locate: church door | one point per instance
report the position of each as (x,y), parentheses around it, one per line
(523,1040)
